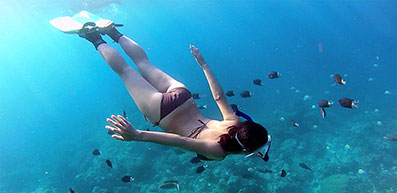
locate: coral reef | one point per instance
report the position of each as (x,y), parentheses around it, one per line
(335,183)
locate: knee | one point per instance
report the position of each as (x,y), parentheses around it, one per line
(110,54)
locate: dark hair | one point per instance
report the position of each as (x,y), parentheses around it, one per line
(251,135)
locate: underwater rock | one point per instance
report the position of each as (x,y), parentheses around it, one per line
(289,145)
(98,189)
(335,183)
(46,190)
(289,188)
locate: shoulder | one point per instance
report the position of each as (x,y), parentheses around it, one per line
(217,152)
(222,125)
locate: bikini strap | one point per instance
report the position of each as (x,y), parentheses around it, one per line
(197,130)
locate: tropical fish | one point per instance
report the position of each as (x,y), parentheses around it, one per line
(283,173)
(196,95)
(230,93)
(295,124)
(324,103)
(200,169)
(257,82)
(127,179)
(125,115)
(391,137)
(202,107)
(264,170)
(170,185)
(96,152)
(348,103)
(273,75)
(323,113)
(109,163)
(245,94)
(195,160)
(304,166)
(234,107)
(71,190)
(338,79)
(110,132)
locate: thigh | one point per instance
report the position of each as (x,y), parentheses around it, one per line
(158,78)
(147,98)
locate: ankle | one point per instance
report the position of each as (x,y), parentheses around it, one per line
(114,34)
(95,38)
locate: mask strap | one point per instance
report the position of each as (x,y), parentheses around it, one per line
(239,142)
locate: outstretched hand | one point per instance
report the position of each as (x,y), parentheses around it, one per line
(123,128)
(197,55)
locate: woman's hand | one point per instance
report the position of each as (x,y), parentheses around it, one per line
(197,55)
(123,128)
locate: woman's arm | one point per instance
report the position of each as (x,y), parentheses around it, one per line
(209,148)
(216,89)
(126,132)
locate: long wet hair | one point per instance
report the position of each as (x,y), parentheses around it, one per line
(251,135)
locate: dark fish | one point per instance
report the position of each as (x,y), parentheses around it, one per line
(125,115)
(96,152)
(127,179)
(338,79)
(200,169)
(230,93)
(257,82)
(283,173)
(323,114)
(294,124)
(148,129)
(304,166)
(196,95)
(234,107)
(245,94)
(273,75)
(195,160)
(109,163)
(324,103)
(170,185)
(264,170)
(202,107)
(71,190)
(391,137)
(110,132)
(348,103)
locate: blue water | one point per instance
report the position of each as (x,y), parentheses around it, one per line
(56,93)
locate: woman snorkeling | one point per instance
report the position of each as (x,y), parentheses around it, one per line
(169,104)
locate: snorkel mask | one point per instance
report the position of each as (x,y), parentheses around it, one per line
(263,150)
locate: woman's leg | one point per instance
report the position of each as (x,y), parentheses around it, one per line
(160,80)
(146,97)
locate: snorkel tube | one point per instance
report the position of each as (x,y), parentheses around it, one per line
(243,115)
